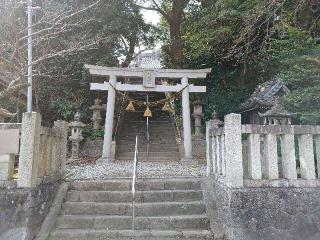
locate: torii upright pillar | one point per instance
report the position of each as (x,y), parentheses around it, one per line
(107,143)
(187,137)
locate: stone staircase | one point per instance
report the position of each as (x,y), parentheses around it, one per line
(162,146)
(166,209)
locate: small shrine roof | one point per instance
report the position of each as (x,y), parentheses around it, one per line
(150,60)
(278,111)
(264,95)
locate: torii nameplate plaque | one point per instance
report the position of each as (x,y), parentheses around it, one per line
(149,78)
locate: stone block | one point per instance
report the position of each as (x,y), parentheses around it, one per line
(270,157)
(317,144)
(254,157)
(208,149)
(62,128)
(9,141)
(6,167)
(233,150)
(307,164)
(289,167)
(29,151)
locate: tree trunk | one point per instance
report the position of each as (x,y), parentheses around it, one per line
(175,20)
(176,41)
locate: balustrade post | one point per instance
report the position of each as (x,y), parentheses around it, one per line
(271,157)
(307,165)
(29,150)
(208,148)
(317,143)
(213,155)
(254,160)
(233,150)
(289,166)
(222,155)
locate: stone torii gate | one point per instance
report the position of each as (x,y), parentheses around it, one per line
(149,85)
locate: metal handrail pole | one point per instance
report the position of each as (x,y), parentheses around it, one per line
(134,180)
(148,134)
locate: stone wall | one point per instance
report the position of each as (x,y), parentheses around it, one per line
(22,211)
(91,148)
(264,213)
(199,149)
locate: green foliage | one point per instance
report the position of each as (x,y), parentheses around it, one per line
(65,109)
(249,42)
(89,133)
(225,100)
(295,59)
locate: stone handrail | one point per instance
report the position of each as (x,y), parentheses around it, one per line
(50,149)
(6,126)
(43,151)
(256,154)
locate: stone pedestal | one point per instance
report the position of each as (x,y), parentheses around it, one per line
(6,167)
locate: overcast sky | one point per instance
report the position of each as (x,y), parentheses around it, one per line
(151,16)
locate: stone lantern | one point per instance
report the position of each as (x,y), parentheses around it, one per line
(96,116)
(197,115)
(277,115)
(76,136)
(5,114)
(215,122)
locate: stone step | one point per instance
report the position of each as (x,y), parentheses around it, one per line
(125,222)
(143,132)
(150,159)
(130,123)
(80,234)
(155,117)
(141,209)
(163,154)
(154,148)
(141,196)
(130,143)
(142,139)
(142,184)
(162,142)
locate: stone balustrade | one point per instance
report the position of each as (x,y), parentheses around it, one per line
(256,155)
(52,161)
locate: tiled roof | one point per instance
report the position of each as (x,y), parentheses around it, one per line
(264,95)
(147,60)
(277,111)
